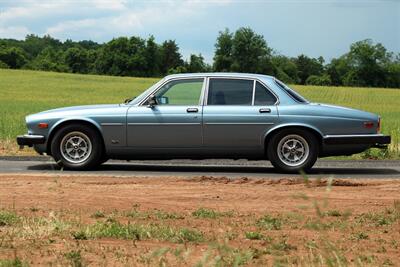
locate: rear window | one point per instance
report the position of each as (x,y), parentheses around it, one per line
(296,96)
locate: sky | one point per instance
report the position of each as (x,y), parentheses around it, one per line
(311,27)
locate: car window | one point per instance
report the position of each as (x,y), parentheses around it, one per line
(296,96)
(230,92)
(180,92)
(263,96)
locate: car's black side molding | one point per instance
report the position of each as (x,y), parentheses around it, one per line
(372,139)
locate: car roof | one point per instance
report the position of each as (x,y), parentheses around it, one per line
(221,74)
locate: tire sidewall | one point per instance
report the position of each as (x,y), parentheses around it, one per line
(95,139)
(280,165)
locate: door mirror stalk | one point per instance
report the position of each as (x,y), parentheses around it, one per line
(152,101)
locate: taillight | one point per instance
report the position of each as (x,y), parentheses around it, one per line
(368,124)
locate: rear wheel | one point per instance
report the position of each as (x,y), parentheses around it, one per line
(77,147)
(293,150)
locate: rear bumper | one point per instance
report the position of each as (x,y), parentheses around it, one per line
(30,140)
(361,139)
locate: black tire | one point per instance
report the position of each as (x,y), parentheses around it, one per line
(90,137)
(281,162)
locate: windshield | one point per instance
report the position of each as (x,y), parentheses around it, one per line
(140,97)
(296,96)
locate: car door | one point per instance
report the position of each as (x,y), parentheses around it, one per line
(237,114)
(174,122)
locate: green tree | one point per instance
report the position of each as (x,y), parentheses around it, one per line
(122,57)
(34,44)
(13,57)
(77,59)
(152,57)
(307,66)
(368,62)
(50,59)
(170,56)
(223,51)
(285,69)
(250,52)
(323,79)
(197,64)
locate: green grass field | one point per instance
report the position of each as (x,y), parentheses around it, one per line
(26,92)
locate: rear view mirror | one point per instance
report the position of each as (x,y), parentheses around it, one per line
(163,100)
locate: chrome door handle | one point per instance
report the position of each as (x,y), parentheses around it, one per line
(192,110)
(264,110)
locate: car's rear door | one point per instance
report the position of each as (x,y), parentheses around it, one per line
(237,114)
(175,122)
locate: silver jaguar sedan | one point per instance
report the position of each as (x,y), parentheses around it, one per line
(205,115)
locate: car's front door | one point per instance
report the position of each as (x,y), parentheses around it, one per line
(237,114)
(175,121)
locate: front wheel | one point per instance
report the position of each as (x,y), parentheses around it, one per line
(292,150)
(77,147)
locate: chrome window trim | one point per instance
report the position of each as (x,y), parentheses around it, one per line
(111,124)
(254,92)
(161,123)
(239,123)
(171,80)
(352,135)
(240,78)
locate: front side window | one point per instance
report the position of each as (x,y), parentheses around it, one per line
(263,97)
(180,92)
(230,92)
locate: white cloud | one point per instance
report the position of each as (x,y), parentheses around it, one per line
(18,32)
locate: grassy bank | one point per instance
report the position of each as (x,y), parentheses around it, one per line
(26,92)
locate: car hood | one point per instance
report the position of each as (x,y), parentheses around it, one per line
(344,112)
(80,108)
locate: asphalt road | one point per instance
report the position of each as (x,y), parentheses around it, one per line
(190,168)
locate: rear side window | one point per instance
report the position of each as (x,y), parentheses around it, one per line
(230,92)
(296,96)
(263,97)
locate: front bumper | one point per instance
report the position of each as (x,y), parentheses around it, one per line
(30,140)
(377,140)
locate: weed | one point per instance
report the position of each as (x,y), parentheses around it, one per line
(98,214)
(138,232)
(8,218)
(224,255)
(75,258)
(79,235)
(163,215)
(210,213)
(269,223)
(361,236)
(254,235)
(333,213)
(16,262)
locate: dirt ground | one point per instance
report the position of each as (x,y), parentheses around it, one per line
(88,220)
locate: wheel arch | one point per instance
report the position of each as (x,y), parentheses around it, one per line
(318,134)
(62,123)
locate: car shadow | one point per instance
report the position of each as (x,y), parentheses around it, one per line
(206,169)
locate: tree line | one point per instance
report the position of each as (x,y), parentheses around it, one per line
(365,64)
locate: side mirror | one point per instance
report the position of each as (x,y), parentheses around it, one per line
(152,101)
